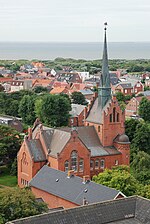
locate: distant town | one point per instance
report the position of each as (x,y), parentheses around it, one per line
(75,141)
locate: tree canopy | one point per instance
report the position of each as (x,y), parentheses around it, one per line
(10,142)
(78,98)
(144,109)
(18,203)
(53,110)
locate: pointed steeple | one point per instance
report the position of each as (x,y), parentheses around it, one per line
(104,88)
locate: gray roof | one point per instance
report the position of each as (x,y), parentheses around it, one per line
(146,93)
(55,140)
(131,210)
(95,113)
(89,137)
(86,91)
(72,189)
(76,109)
(36,150)
(125,85)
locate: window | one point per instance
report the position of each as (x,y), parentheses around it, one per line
(116,162)
(102,164)
(66,165)
(98,128)
(125,90)
(117,117)
(74,162)
(96,164)
(81,165)
(110,118)
(135,90)
(91,164)
(114,114)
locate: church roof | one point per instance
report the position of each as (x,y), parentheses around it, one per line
(89,137)
(72,188)
(131,210)
(35,149)
(95,114)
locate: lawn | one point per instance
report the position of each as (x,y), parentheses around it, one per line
(6,179)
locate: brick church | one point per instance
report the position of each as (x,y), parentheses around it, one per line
(101,143)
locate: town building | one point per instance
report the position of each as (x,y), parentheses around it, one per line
(133,106)
(64,189)
(131,210)
(101,143)
(11,121)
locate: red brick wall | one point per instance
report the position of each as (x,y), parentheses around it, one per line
(53,162)
(27,168)
(109,130)
(109,163)
(132,107)
(52,200)
(75,144)
(125,151)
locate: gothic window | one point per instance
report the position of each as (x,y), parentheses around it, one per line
(114,114)
(98,128)
(81,165)
(91,164)
(96,164)
(117,117)
(102,164)
(66,165)
(110,118)
(116,162)
(24,163)
(74,160)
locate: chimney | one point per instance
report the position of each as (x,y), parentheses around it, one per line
(29,133)
(70,173)
(85,202)
(86,179)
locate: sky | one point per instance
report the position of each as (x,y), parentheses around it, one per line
(74,20)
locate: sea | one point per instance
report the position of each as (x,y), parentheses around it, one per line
(76,50)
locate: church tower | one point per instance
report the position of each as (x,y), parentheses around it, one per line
(105,114)
(104,89)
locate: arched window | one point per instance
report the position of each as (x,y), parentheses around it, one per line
(114,114)
(24,163)
(74,160)
(66,165)
(117,117)
(81,165)
(96,164)
(91,164)
(102,164)
(98,128)
(110,118)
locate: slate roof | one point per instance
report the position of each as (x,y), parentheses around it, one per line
(55,139)
(113,78)
(76,109)
(131,210)
(72,189)
(89,137)
(86,92)
(35,149)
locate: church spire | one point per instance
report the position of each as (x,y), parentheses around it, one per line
(104,88)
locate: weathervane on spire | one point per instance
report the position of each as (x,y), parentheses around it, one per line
(105,24)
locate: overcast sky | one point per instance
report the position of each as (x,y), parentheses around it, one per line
(74,20)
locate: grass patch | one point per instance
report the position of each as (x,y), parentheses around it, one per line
(6,179)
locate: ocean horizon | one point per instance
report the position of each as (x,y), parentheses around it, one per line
(76,50)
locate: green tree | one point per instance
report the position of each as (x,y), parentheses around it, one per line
(78,98)
(53,110)
(10,142)
(130,127)
(18,203)
(26,109)
(40,89)
(144,109)
(141,141)
(141,167)
(120,96)
(118,178)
